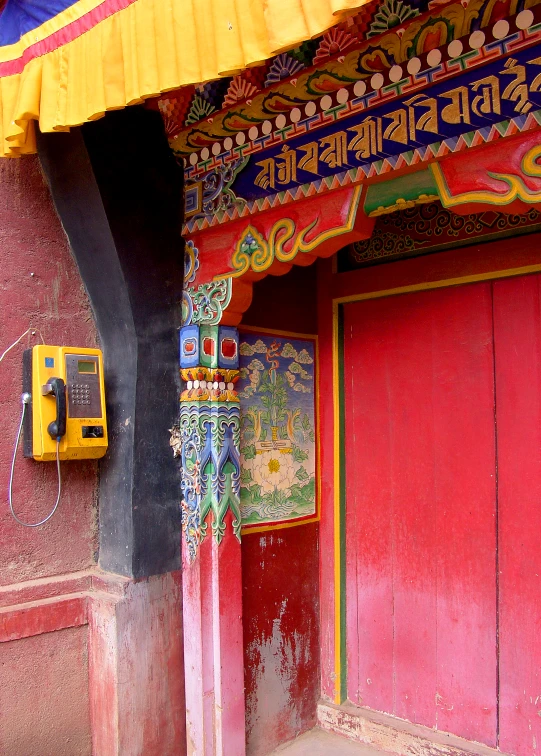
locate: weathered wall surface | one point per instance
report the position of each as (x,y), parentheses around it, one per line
(53,303)
(43,677)
(280,571)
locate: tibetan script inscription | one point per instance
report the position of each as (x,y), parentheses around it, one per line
(510,87)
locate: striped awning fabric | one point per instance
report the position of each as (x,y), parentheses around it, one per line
(65,62)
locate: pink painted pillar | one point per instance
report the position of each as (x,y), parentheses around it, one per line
(212,579)
(227,637)
(135,665)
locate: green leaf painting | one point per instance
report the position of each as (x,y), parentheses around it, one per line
(301,473)
(249,452)
(278,459)
(299,455)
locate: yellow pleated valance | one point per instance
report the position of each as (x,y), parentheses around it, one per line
(97,55)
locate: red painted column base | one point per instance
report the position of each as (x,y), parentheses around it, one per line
(212,598)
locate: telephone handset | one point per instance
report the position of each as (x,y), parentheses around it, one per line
(56,386)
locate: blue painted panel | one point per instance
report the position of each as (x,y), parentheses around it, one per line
(228,354)
(189,346)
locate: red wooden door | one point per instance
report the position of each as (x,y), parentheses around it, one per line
(517,330)
(421,508)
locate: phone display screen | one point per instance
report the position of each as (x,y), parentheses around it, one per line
(86,366)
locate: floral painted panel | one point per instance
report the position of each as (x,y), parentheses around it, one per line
(278,444)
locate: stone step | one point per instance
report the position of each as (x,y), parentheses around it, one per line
(348,730)
(321,743)
(390,735)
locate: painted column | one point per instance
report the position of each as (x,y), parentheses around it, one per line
(207,442)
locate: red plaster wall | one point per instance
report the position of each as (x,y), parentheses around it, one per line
(281,635)
(280,571)
(44,707)
(54,304)
(286,303)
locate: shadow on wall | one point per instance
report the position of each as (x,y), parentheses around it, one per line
(280,570)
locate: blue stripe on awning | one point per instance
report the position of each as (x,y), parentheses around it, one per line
(21,16)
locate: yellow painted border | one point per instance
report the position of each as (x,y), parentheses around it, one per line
(336,504)
(516,187)
(336,302)
(441,284)
(247,529)
(271,248)
(273,332)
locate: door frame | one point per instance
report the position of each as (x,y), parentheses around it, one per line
(481,262)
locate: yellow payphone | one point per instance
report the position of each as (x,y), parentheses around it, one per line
(68,403)
(63,410)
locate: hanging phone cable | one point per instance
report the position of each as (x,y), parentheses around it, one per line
(26,399)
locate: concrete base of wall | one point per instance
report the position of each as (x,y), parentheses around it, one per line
(395,736)
(321,743)
(124,692)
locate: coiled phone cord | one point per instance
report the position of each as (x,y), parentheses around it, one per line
(26,398)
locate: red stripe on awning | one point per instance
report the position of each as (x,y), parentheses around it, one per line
(63,36)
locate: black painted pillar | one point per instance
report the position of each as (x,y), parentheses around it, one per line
(118,192)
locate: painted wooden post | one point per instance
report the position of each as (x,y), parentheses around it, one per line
(208,444)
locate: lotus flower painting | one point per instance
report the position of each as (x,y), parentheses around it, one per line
(278,435)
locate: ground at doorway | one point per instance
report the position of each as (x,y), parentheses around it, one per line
(320,743)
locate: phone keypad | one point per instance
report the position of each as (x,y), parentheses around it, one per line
(80,393)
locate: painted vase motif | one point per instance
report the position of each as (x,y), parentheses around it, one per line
(278,459)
